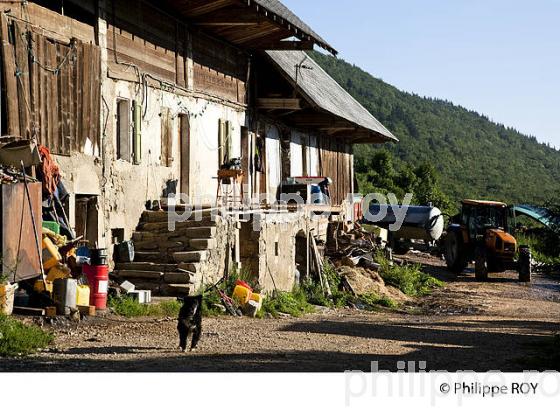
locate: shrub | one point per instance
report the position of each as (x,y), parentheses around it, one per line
(17,338)
(292,303)
(408,278)
(210,303)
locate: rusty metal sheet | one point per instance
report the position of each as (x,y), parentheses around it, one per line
(24,264)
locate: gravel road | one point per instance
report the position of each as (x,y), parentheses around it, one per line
(499,324)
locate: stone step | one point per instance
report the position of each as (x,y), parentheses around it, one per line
(156,257)
(190,256)
(163,227)
(201,232)
(139,274)
(142,284)
(202,244)
(147,266)
(183,278)
(177,290)
(155,240)
(145,246)
(190,267)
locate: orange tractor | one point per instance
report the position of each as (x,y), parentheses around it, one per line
(481,233)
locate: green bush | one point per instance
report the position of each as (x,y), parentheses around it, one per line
(408,278)
(539,248)
(293,303)
(210,303)
(17,338)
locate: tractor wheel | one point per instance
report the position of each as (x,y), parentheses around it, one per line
(524,263)
(480,264)
(455,252)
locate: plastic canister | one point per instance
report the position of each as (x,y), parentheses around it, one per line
(39,286)
(53,226)
(51,256)
(82,295)
(64,295)
(241,294)
(244,284)
(58,271)
(258,298)
(7,294)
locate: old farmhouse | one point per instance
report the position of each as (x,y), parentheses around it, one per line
(159,107)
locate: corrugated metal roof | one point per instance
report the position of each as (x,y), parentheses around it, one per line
(322,91)
(281,10)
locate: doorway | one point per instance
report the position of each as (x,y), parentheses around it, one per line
(185,154)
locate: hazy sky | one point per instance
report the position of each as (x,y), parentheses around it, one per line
(498,57)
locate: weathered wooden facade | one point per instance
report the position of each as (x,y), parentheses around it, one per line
(136,95)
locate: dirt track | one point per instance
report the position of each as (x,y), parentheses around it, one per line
(465,326)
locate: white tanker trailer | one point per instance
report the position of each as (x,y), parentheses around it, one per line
(408,223)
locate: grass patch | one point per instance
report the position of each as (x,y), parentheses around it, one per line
(128,307)
(408,278)
(371,301)
(293,303)
(17,338)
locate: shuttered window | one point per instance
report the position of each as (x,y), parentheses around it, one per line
(166,137)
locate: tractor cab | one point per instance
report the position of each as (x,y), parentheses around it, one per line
(480,216)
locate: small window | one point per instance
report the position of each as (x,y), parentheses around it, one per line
(224,142)
(124,131)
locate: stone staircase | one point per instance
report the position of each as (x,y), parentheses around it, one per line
(175,263)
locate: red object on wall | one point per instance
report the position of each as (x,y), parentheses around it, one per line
(243,284)
(98,279)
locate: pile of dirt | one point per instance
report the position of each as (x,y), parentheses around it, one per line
(366,281)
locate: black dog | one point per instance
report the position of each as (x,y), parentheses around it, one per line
(190,321)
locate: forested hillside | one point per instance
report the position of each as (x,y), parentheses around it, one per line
(474,156)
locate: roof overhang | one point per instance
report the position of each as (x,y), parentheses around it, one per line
(328,108)
(251,24)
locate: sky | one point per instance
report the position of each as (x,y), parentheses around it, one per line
(498,57)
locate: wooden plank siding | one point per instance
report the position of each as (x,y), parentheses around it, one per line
(335,161)
(160,49)
(47,72)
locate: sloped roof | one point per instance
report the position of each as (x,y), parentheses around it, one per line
(277,22)
(323,92)
(282,11)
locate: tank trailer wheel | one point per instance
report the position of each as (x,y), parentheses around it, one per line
(455,256)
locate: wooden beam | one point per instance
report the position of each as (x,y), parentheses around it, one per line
(337,130)
(291,104)
(287,45)
(230,17)
(195,8)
